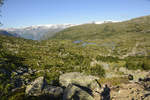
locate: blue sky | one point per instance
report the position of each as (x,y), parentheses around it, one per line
(17,13)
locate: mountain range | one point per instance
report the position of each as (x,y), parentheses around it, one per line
(36,32)
(41,32)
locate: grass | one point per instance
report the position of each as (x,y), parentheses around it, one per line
(107,30)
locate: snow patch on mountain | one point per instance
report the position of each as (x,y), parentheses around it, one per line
(37,31)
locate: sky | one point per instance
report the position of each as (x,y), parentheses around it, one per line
(19,13)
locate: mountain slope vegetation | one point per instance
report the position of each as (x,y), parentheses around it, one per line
(106,30)
(90,49)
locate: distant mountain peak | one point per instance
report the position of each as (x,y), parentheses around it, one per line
(40,26)
(36,32)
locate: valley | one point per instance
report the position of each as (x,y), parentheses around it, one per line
(78,59)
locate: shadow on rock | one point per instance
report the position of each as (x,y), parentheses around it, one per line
(88,90)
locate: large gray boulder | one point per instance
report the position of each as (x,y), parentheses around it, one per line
(78,78)
(36,87)
(73,92)
(39,87)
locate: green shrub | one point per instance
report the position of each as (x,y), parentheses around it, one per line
(138,62)
(97,70)
(146,64)
(107,59)
(134,65)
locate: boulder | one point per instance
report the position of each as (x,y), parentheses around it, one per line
(73,92)
(39,87)
(36,87)
(79,79)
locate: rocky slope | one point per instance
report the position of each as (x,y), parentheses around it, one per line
(73,86)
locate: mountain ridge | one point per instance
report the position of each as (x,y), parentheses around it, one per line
(42,32)
(96,31)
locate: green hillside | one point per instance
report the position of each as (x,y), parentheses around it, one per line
(123,38)
(138,26)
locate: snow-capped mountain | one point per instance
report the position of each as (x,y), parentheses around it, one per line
(38,31)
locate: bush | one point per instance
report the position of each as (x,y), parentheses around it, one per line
(146,64)
(107,59)
(97,70)
(134,63)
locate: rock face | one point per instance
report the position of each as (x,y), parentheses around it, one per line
(36,87)
(78,78)
(39,87)
(73,92)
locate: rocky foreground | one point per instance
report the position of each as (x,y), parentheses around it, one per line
(78,86)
